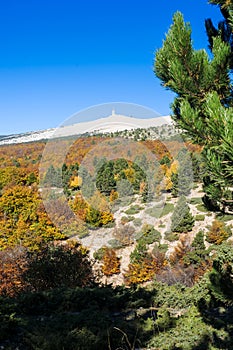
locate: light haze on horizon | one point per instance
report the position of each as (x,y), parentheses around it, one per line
(58,58)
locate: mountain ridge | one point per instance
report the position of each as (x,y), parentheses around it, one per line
(113,123)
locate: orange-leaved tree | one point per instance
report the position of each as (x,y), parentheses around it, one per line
(13,263)
(59,265)
(111,263)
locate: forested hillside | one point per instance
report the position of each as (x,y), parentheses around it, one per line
(150,231)
(126,241)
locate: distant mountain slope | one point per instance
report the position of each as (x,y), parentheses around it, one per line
(110,124)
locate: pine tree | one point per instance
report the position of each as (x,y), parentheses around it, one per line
(174,189)
(224,29)
(105,181)
(204,98)
(198,243)
(197,254)
(183,180)
(221,286)
(52,177)
(182,219)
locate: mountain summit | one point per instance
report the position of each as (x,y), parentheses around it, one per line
(112,123)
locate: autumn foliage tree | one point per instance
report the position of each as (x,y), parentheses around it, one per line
(52,266)
(13,264)
(111,263)
(180,249)
(141,271)
(143,265)
(218,232)
(58,265)
(23,220)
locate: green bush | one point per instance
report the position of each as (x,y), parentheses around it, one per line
(55,266)
(185,333)
(148,234)
(98,254)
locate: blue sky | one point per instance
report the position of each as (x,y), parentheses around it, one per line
(59,57)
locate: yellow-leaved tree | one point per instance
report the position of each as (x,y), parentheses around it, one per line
(23,220)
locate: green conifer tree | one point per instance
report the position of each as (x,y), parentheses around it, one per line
(224,30)
(221,286)
(204,98)
(197,254)
(182,219)
(183,179)
(198,242)
(105,181)
(52,177)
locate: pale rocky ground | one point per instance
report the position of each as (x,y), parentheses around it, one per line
(110,124)
(100,237)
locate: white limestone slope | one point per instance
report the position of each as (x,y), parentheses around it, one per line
(112,123)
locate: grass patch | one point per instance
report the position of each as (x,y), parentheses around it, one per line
(200,217)
(196,201)
(115,243)
(137,222)
(83,234)
(158,212)
(154,212)
(168,208)
(134,209)
(162,248)
(110,224)
(159,204)
(122,202)
(202,208)
(224,217)
(126,219)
